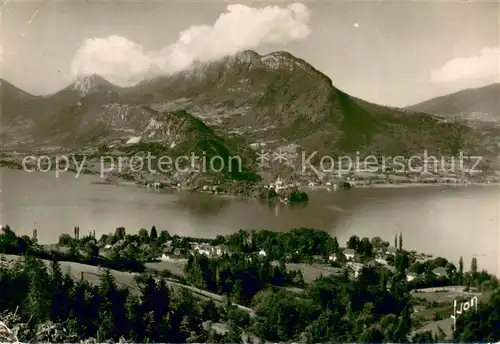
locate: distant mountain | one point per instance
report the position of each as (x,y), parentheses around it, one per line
(91,84)
(482,104)
(17,109)
(274,100)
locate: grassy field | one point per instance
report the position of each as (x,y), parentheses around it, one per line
(174,266)
(90,272)
(442,298)
(313,272)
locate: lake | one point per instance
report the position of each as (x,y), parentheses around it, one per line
(450,221)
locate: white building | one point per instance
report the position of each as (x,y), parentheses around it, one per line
(391,251)
(440,272)
(262,253)
(381,261)
(220,250)
(204,249)
(134,140)
(410,276)
(279,182)
(356,267)
(349,253)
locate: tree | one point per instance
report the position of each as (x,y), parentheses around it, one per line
(473,266)
(404,325)
(335,245)
(38,297)
(400,241)
(396,240)
(234,333)
(164,237)
(34,237)
(365,248)
(353,242)
(372,335)
(65,240)
(143,236)
(461,267)
(120,233)
(60,295)
(423,337)
(91,250)
(153,235)
(376,242)
(402,261)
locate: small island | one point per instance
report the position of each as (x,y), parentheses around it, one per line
(283,193)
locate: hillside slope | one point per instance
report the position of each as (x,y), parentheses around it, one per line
(271,101)
(475,104)
(278,99)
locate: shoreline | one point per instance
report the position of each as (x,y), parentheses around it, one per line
(404,184)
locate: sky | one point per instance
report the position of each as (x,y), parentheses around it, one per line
(393,53)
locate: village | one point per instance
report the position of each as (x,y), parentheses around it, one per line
(313,266)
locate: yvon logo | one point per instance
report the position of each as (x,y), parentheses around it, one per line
(463,307)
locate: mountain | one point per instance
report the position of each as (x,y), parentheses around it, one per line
(247,99)
(481,104)
(16,111)
(278,99)
(94,83)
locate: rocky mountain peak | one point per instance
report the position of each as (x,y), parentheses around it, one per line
(86,84)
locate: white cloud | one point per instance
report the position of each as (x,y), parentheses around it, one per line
(483,66)
(240,27)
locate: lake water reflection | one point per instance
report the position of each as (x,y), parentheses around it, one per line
(451,221)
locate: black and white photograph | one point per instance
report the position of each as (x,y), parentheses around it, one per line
(219,171)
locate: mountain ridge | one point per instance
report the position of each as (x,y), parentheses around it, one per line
(481,100)
(270,101)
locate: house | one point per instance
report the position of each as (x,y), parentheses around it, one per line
(391,268)
(391,251)
(174,254)
(440,272)
(349,253)
(220,250)
(410,276)
(421,260)
(168,249)
(356,267)
(262,253)
(204,249)
(318,258)
(120,243)
(278,184)
(381,261)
